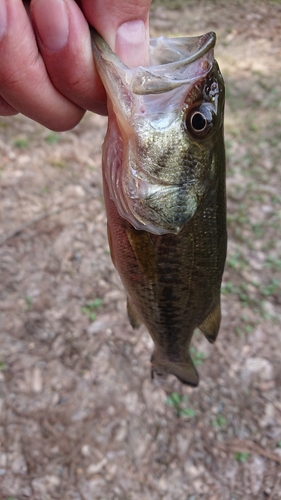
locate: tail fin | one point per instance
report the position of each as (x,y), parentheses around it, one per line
(184,371)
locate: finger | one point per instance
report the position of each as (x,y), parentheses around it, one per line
(6,109)
(124,25)
(24,81)
(68,58)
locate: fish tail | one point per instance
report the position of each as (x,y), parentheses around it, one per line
(185,371)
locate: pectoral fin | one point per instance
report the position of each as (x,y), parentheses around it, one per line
(133,315)
(211,324)
(110,242)
(144,251)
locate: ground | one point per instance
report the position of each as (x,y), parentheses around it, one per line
(80,418)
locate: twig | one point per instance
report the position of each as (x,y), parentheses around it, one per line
(40,217)
(80,492)
(51,429)
(247,446)
(275,489)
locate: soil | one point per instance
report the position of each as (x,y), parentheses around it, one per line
(80,418)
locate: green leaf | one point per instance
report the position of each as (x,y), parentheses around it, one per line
(176,398)
(3,366)
(21,142)
(28,301)
(189,412)
(95,303)
(219,421)
(241,456)
(169,401)
(52,138)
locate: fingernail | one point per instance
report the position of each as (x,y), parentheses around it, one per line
(131,43)
(51,19)
(3,17)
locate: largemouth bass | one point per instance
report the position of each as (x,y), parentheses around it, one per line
(164,189)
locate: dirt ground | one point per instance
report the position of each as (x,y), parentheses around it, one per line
(80,418)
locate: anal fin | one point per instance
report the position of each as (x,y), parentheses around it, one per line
(211,324)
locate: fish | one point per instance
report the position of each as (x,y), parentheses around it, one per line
(163,167)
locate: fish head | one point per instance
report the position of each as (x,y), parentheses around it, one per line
(165,121)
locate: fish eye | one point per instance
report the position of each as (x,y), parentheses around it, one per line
(199,121)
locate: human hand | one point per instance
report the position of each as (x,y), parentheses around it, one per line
(46,65)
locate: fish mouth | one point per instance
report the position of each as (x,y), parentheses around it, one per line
(170,60)
(168,63)
(180,51)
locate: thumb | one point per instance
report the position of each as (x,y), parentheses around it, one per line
(132,43)
(124,26)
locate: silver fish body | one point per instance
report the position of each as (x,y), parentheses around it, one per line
(164,187)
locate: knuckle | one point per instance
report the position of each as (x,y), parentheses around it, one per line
(14,72)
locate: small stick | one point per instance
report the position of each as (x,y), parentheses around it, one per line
(275,489)
(249,447)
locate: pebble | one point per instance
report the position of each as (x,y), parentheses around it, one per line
(96,467)
(74,191)
(37,381)
(183,443)
(155,398)
(268,418)
(86,450)
(257,468)
(259,366)
(131,401)
(3,459)
(101,324)
(122,431)
(19,465)
(53,480)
